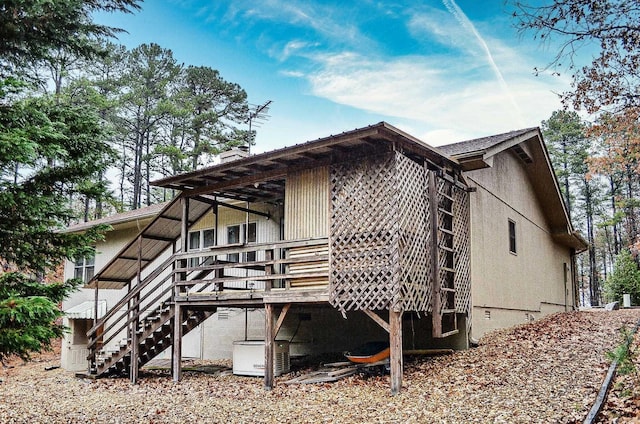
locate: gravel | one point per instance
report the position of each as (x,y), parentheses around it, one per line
(546,371)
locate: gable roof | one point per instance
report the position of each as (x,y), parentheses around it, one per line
(528,145)
(469,152)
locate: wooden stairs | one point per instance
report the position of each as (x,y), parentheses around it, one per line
(155,335)
(154,330)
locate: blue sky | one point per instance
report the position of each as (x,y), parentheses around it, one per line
(444,71)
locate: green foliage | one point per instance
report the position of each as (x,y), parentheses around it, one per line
(624,279)
(49,152)
(30,30)
(29,313)
(625,354)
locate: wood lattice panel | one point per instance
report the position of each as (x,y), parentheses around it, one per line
(363,236)
(414,237)
(462,251)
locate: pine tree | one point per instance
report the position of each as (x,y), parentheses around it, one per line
(50,150)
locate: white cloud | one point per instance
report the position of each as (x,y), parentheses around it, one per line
(436,92)
(436,25)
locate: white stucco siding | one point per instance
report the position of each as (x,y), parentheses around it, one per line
(510,288)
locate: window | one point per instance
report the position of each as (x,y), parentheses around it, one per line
(237,234)
(84,268)
(512,237)
(199,240)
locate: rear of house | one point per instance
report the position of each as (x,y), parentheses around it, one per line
(372,225)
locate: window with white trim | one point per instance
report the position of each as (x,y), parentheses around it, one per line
(242,234)
(200,240)
(84,268)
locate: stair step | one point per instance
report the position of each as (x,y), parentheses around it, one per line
(445,230)
(446,212)
(445,195)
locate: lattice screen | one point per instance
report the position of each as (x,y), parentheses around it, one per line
(415,237)
(461,225)
(363,234)
(381,238)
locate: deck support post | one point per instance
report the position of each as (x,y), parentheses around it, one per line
(436,306)
(395,344)
(268,346)
(176,354)
(135,342)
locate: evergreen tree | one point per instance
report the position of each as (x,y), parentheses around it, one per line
(624,279)
(50,150)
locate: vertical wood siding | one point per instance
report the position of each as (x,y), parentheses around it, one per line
(307,204)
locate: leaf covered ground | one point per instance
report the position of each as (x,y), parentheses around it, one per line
(546,371)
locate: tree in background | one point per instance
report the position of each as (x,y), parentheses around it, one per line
(620,160)
(49,151)
(609,29)
(569,147)
(624,279)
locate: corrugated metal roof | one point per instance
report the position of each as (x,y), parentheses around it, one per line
(119,218)
(86,310)
(261,175)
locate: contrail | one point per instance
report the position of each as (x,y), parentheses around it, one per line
(455,10)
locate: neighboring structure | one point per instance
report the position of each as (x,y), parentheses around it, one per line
(372,225)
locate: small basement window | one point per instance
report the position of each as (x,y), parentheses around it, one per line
(512,237)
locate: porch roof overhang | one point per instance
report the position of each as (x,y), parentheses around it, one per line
(261,177)
(258,178)
(87,310)
(156,237)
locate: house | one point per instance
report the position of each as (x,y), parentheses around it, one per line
(369,234)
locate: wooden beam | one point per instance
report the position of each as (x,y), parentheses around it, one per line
(432,198)
(176,352)
(377,319)
(281,318)
(184,243)
(157,238)
(395,344)
(135,325)
(268,347)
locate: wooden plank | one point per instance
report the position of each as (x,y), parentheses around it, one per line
(436,319)
(395,343)
(176,356)
(377,319)
(343,372)
(281,318)
(268,347)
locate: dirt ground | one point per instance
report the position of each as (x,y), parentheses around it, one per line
(546,371)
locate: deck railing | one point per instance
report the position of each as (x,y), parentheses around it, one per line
(294,264)
(284,265)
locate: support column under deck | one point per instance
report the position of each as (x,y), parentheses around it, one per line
(394,328)
(176,357)
(268,346)
(395,344)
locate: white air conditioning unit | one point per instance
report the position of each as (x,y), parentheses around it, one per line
(248,358)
